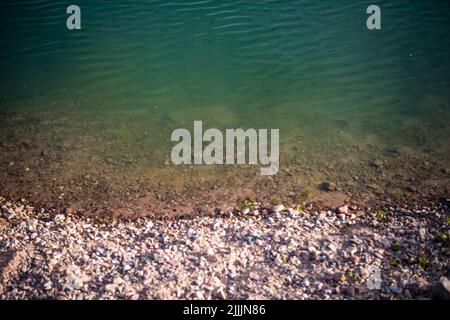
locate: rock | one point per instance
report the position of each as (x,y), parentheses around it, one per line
(422,234)
(313,251)
(48,285)
(32,224)
(376,163)
(306,282)
(279,260)
(442,289)
(355,260)
(351,250)
(322,215)
(278,208)
(74,278)
(395,289)
(112,287)
(372,186)
(245,211)
(351,291)
(219,293)
(343,209)
(44,152)
(59,218)
(254,276)
(328,186)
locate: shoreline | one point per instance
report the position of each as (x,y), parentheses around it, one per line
(256,253)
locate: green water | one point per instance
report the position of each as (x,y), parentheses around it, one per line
(103,101)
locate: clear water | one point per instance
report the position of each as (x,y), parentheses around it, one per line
(106,98)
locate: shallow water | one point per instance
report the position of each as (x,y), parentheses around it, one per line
(103,101)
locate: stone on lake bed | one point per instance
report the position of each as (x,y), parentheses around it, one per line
(329,186)
(278,208)
(377,163)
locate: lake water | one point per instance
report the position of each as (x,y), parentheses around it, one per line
(87,115)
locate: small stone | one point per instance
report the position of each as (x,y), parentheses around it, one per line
(59,218)
(313,251)
(245,211)
(254,276)
(372,186)
(48,285)
(322,215)
(422,234)
(355,260)
(126,267)
(219,293)
(75,278)
(351,250)
(343,209)
(339,276)
(329,186)
(351,291)
(442,289)
(279,260)
(395,289)
(278,208)
(32,224)
(377,163)
(306,282)
(110,288)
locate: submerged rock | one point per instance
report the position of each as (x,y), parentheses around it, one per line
(329,186)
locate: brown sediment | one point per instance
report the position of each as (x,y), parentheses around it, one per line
(57,162)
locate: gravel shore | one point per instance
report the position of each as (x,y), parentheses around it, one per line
(258,253)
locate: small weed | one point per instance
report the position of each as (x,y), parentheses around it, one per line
(245,203)
(301,197)
(423,262)
(352,276)
(394,262)
(382,215)
(442,237)
(395,246)
(398,195)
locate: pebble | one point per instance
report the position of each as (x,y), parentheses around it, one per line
(329,186)
(422,234)
(278,208)
(221,257)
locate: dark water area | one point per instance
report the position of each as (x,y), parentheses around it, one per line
(86,115)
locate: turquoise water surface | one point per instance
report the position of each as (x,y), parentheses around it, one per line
(103,100)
